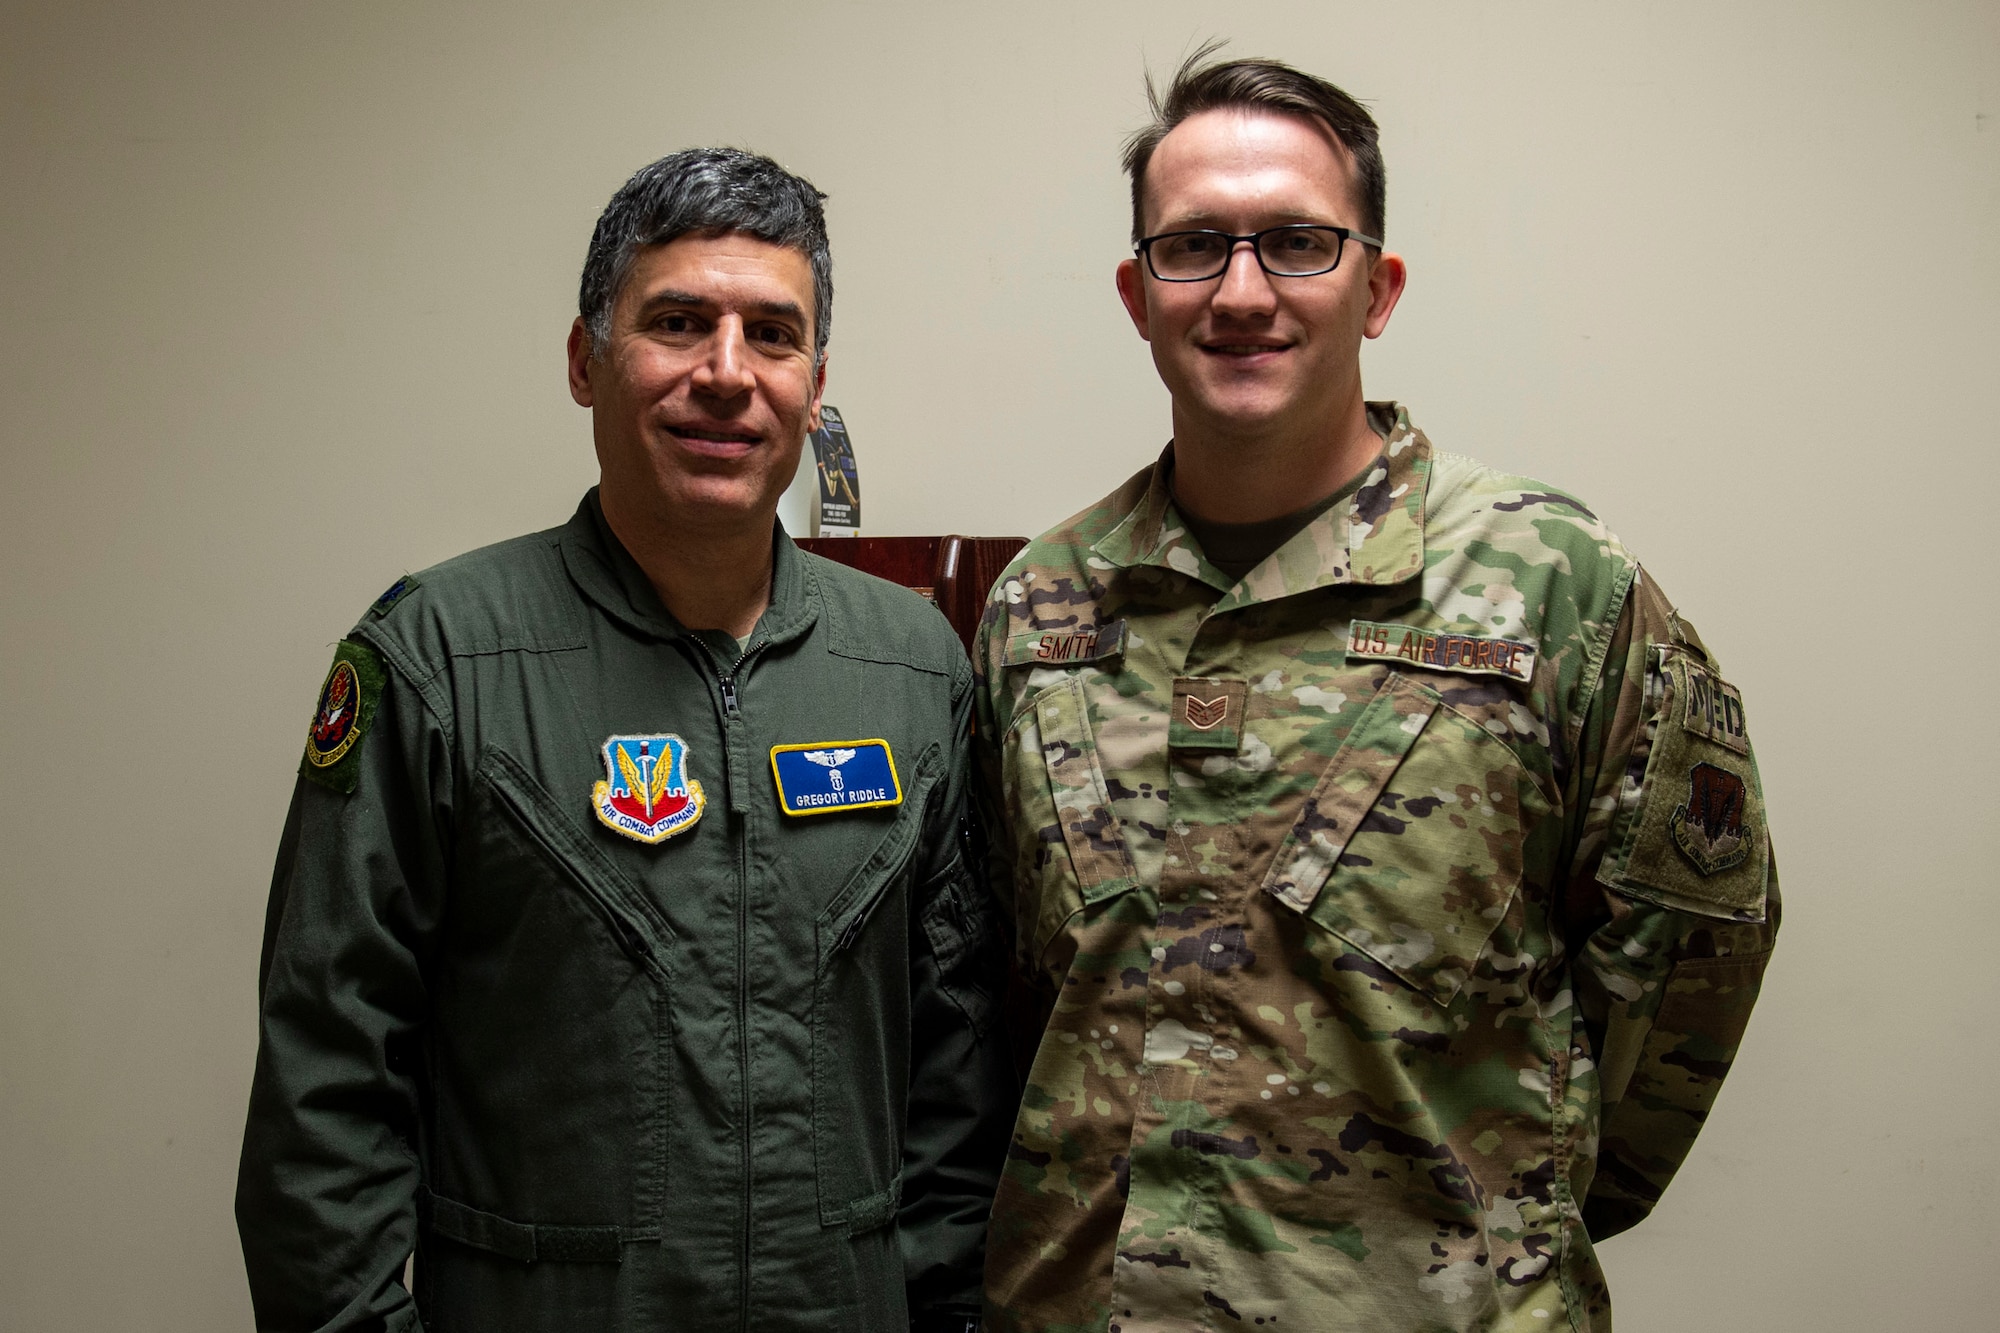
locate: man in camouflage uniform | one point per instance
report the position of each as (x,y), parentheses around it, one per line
(1392,871)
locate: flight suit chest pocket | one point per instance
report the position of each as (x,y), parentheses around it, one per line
(1409,848)
(861,1020)
(1068,850)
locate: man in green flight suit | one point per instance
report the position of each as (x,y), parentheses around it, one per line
(623,960)
(1386,851)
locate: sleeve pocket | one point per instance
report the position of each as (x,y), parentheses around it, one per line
(1690,833)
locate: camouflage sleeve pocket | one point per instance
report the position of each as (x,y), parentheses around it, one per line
(1690,831)
(1068,849)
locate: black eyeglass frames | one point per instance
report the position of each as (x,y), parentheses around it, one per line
(1292,251)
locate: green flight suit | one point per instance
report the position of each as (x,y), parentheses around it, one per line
(746,1076)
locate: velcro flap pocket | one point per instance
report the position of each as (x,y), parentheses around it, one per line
(1410,850)
(1068,848)
(1690,833)
(638,924)
(1076,782)
(1347,790)
(843,917)
(524,1242)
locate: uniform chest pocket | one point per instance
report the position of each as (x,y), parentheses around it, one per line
(1068,850)
(1409,848)
(861,1020)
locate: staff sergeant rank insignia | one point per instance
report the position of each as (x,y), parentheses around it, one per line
(647,794)
(823,777)
(1440,650)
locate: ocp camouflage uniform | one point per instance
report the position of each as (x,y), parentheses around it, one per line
(1396,911)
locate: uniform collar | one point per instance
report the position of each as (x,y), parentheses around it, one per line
(1376,538)
(611,578)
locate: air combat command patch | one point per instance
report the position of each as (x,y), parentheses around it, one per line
(1708,824)
(346,707)
(822,777)
(646,793)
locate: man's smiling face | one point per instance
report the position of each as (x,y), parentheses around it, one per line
(702,396)
(1246,354)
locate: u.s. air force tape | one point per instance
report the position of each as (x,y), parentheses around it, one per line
(1441,650)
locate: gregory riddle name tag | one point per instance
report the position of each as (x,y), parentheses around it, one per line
(823,777)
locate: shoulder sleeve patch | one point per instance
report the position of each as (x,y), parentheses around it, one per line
(346,707)
(1690,833)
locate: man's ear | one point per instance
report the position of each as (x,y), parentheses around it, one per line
(1132,291)
(579,363)
(819,393)
(1385,287)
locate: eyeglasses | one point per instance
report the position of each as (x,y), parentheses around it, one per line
(1283,252)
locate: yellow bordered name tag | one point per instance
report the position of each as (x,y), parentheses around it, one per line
(825,777)
(1441,650)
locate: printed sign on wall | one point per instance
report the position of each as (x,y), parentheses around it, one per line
(839,482)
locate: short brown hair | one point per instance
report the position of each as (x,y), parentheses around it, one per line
(1259,85)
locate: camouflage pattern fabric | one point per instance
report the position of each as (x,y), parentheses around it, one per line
(1394,912)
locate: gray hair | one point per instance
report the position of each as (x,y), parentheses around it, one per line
(709,191)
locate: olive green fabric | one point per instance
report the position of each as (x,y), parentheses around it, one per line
(746,1077)
(1394,909)
(342,770)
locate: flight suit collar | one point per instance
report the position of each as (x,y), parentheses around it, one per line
(1376,538)
(611,578)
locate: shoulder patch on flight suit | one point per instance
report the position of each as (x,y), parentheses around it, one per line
(1690,832)
(346,706)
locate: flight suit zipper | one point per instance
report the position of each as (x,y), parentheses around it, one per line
(732,713)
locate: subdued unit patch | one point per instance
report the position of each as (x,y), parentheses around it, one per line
(1708,825)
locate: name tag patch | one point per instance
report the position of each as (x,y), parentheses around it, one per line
(1063,647)
(823,777)
(1439,650)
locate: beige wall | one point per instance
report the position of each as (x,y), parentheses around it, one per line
(286,288)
